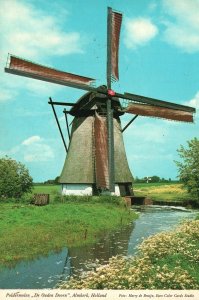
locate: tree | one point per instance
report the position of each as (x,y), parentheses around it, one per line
(188,168)
(155,178)
(52,181)
(57,180)
(14,179)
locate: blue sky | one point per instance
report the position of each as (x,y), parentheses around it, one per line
(159,58)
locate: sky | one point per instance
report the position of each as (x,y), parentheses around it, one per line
(158,58)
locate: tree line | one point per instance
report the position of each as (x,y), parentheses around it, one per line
(151,179)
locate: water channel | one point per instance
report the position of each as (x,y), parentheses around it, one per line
(46,272)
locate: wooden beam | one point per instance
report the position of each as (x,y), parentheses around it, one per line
(52,80)
(129,123)
(66,118)
(61,133)
(62,103)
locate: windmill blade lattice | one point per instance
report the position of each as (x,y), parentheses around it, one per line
(26,68)
(159,112)
(113,36)
(152,101)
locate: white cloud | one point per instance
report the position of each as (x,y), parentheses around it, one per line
(36,150)
(139,32)
(35,35)
(183,32)
(194,102)
(33,149)
(29,32)
(31,140)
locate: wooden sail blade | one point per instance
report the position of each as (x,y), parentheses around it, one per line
(101,153)
(152,101)
(26,68)
(159,112)
(113,36)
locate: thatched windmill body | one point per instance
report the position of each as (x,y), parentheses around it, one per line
(96,160)
(87,170)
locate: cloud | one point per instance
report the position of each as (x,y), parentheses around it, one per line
(183,31)
(139,32)
(27,31)
(31,140)
(36,150)
(37,35)
(194,102)
(33,149)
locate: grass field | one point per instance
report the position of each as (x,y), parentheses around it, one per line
(28,231)
(161,191)
(53,190)
(157,191)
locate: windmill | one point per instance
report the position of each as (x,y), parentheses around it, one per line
(96,160)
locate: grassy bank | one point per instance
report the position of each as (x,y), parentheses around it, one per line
(27,231)
(165,261)
(171,192)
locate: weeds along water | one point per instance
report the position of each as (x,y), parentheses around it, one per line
(167,260)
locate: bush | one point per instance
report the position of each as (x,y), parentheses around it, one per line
(188,167)
(15,180)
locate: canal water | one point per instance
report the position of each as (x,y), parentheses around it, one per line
(48,271)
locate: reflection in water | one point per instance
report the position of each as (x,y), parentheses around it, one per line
(39,273)
(46,272)
(84,258)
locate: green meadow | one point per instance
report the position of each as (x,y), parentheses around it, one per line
(166,192)
(28,231)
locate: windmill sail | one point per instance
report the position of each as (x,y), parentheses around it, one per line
(113,36)
(155,102)
(26,68)
(159,112)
